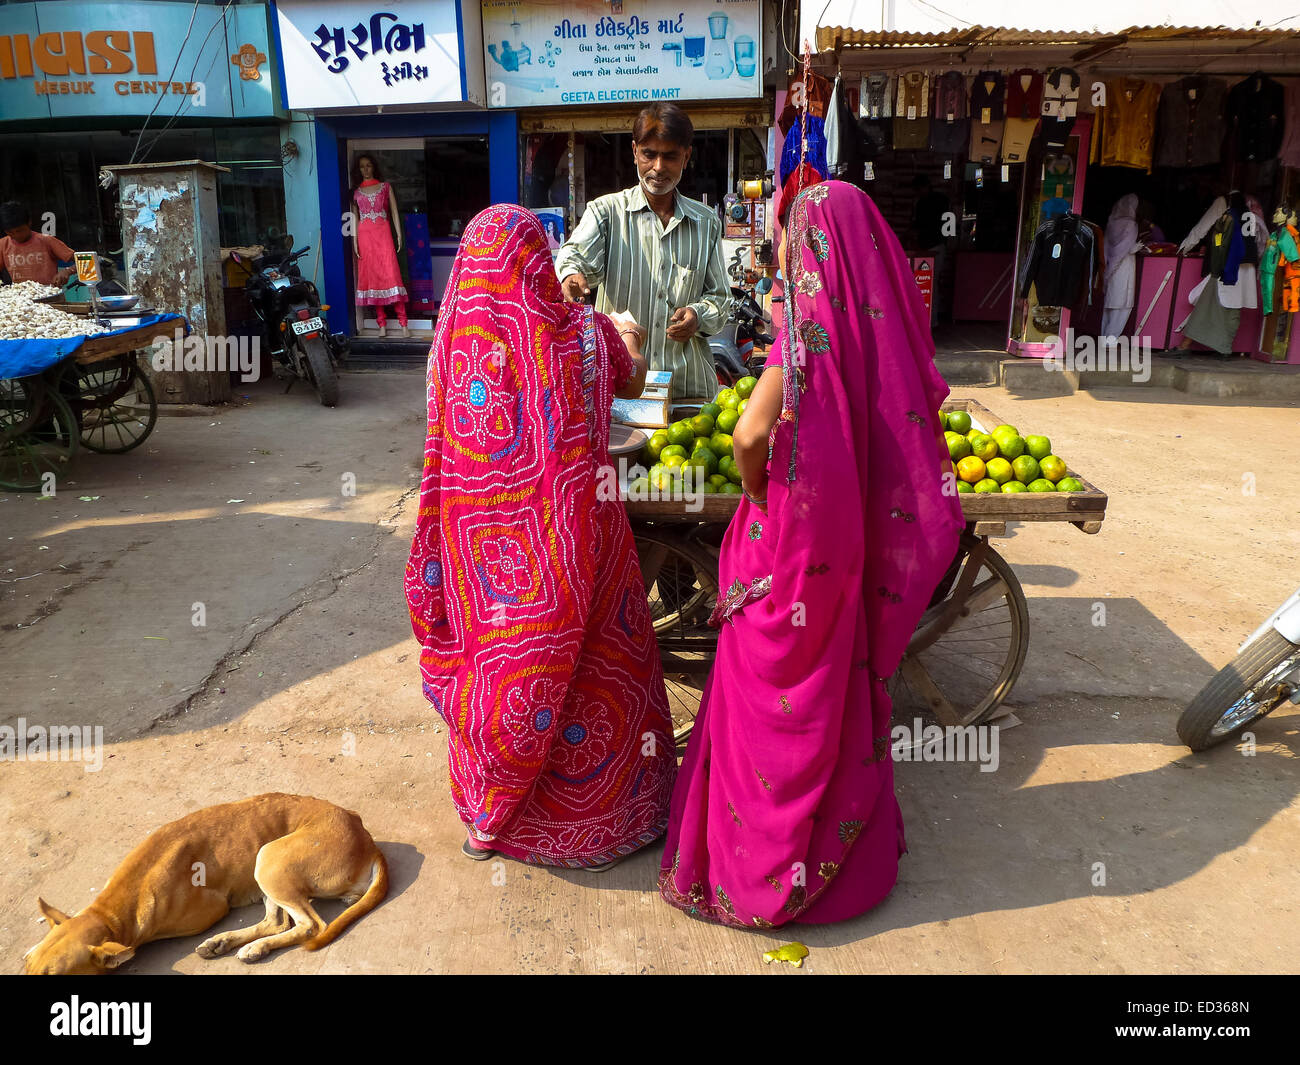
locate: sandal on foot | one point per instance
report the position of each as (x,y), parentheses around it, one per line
(476,854)
(604,867)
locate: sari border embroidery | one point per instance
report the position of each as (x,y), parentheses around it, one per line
(739,596)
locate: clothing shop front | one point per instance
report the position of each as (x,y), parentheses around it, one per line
(580,75)
(405,154)
(1081,181)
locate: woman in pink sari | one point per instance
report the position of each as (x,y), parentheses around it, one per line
(784,808)
(523,583)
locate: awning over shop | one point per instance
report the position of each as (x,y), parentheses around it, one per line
(895,23)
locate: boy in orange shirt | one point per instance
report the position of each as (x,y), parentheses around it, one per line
(29,256)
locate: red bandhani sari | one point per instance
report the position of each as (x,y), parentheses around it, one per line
(523,583)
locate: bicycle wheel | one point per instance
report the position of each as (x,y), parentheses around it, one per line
(681,580)
(970,645)
(38,435)
(116,404)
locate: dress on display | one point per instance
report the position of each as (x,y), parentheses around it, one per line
(1121,265)
(379,280)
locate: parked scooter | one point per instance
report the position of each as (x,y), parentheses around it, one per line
(1264,675)
(294,329)
(733,348)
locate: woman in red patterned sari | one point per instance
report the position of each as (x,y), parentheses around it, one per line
(523,583)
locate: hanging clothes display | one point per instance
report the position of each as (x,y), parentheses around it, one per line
(1191,123)
(1024,102)
(1060,105)
(875,111)
(1239,288)
(1124,131)
(949,127)
(791,151)
(1121,247)
(819,98)
(1256,109)
(987,93)
(912,110)
(1214,322)
(1289,152)
(1061,263)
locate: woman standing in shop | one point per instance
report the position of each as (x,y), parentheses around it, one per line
(375,222)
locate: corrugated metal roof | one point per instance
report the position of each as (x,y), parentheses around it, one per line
(847,37)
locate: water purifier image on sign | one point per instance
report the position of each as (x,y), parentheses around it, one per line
(591,52)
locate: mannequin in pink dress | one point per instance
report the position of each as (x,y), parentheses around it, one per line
(375,221)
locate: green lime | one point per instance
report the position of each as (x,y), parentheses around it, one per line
(959,421)
(987,485)
(1042,484)
(1025,468)
(745,386)
(702,425)
(1014,486)
(712,410)
(1000,470)
(705,460)
(1070,484)
(727,399)
(721,444)
(681,433)
(1039,447)
(671,449)
(964,489)
(730,489)
(958,446)
(727,421)
(718,480)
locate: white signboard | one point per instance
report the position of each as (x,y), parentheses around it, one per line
(341,53)
(548,52)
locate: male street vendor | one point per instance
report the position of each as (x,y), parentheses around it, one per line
(28,256)
(656,254)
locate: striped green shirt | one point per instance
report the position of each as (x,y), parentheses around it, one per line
(650,269)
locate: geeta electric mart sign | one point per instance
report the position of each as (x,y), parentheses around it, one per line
(550,52)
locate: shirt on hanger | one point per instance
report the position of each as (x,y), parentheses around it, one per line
(1192,122)
(1123,133)
(1060,105)
(912,110)
(1024,93)
(949,130)
(874,98)
(1017,135)
(987,94)
(1256,109)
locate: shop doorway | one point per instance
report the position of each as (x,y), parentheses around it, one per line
(440,184)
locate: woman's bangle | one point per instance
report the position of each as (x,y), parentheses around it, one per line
(637,332)
(757,502)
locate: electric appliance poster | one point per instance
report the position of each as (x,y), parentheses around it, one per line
(620,51)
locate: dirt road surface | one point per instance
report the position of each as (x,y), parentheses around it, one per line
(1098,845)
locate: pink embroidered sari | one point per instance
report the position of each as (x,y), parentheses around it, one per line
(523,583)
(784,808)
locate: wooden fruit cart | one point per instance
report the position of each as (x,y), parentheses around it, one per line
(970,645)
(98,398)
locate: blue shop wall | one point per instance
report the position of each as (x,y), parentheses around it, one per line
(329,196)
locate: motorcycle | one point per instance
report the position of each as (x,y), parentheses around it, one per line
(1264,674)
(289,308)
(733,348)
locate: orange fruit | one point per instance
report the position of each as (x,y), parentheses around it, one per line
(1052,467)
(1039,447)
(1025,469)
(971,469)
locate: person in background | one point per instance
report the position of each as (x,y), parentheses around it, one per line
(29,256)
(1121,247)
(657,255)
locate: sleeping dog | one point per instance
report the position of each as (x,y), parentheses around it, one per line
(187,875)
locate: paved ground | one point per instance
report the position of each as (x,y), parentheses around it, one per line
(306,645)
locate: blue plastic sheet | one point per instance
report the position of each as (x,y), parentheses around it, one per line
(22,358)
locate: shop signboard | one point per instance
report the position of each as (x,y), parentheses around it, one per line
(379,53)
(76,60)
(549,52)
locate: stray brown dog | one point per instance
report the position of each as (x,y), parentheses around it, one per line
(187,875)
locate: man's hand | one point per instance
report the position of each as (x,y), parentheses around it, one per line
(575,287)
(683,325)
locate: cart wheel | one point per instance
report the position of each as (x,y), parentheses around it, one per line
(38,434)
(681,580)
(117,405)
(967,652)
